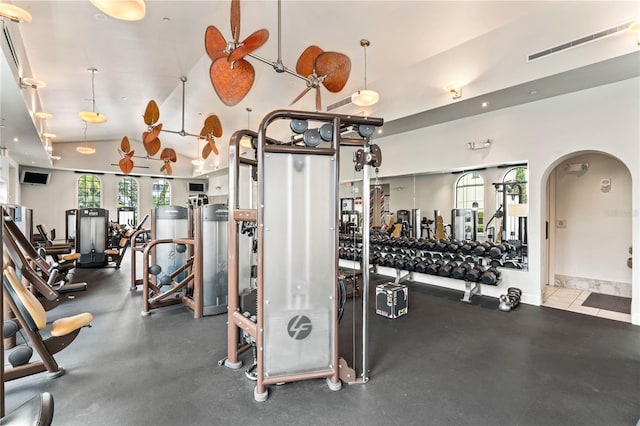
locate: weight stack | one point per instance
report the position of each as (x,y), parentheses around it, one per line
(392,300)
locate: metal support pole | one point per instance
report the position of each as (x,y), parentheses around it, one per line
(364,265)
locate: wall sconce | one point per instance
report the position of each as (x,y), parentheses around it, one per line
(33,83)
(456,92)
(479,145)
(576,168)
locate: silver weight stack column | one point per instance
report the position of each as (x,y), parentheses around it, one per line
(215,249)
(170,222)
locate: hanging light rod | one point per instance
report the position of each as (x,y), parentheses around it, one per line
(365,97)
(14,13)
(92,116)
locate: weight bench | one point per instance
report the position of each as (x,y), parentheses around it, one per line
(32,318)
(54,274)
(53,247)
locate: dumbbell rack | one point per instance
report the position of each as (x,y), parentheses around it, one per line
(351,251)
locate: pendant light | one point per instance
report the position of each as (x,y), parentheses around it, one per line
(14,13)
(365,97)
(126,10)
(246,141)
(92,116)
(85,149)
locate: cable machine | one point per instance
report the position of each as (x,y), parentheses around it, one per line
(92,227)
(295,327)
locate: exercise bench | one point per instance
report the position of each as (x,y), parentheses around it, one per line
(32,318)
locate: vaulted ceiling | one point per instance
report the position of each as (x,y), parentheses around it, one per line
(417,49)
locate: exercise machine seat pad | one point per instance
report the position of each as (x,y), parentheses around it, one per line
(111,252)
(70,257)
(64,326)
(38,411)
(28,300)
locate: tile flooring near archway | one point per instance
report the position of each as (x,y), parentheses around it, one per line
(570,299)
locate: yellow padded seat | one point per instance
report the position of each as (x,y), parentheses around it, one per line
(31,303)
(72,256)
(64,326)
(111,252)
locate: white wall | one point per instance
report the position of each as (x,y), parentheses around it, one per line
(49,202)
(541,133)
(595,234)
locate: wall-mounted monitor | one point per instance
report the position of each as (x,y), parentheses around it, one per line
(196,186)
(34,177)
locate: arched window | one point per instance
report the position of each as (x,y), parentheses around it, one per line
(161,193)
(515,184)
(89,192)
(128,201)
(470,195)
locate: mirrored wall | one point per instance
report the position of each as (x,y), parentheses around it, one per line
(483,204)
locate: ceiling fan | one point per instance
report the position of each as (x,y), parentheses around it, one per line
(232,76)
(151,138)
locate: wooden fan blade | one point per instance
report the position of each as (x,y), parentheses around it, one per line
(152,146)
(212,125)
(232,84)
(214,43)
(125,146)
(126,165)
(164,166)
(167,168)
(235,20)
(152,113)
(206,150)
(250,44)
(336,68)
(213,146)
(130,154)
(306,61)
(304,92)
(318,101)
(169,154)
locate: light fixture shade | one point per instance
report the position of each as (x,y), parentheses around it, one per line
(43,115)
(15,13)
(92,117)
(126,10)
(635,26)
(365,97)
(86,150)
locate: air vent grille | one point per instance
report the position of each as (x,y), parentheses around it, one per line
(580,41)
(338,104)
(12,48)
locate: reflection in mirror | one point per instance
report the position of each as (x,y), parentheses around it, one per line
(486,205)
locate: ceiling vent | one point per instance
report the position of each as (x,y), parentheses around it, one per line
(338,104)
(580,41)
(12,48)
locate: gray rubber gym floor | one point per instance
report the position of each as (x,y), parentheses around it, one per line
(445,363)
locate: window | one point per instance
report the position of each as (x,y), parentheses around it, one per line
(161,193)
(515,185)
(88,192)
(470,195)
(128,201)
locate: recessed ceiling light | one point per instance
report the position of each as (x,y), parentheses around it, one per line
(15,139)
(49,135)
(166,19)
(379,131)
(533,92)
(485,104)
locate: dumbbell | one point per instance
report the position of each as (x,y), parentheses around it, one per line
(446,269)
(482,249)
(474,273)
(460,271)
(448,257)
(491,276)
(434,268)
(399,262)
(388,260)
(410,265)
(421,266)
(495,252)
(441,245)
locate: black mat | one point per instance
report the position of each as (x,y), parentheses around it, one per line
(608,303)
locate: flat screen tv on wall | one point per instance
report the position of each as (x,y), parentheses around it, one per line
(34,177)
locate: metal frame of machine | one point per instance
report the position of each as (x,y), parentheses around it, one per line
(256,327)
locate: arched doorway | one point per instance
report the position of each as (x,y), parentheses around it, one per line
(589,236)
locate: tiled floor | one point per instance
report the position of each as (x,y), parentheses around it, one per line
(570,299)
